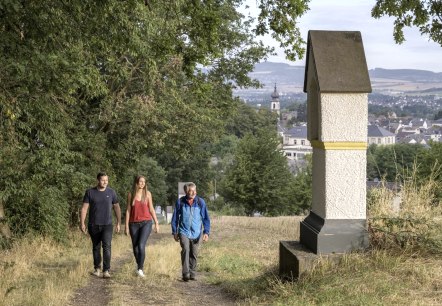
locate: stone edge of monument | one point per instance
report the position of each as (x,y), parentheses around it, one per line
(295,259)
(333,236)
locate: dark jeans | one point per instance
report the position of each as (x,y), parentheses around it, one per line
(101,235)
(139,232)
(189,254)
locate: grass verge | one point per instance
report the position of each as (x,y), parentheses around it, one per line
(39,271)
(243,258)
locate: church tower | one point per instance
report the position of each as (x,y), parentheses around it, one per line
(274,107)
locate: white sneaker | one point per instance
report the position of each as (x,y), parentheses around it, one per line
(140,273)
(106,274)
(96,272)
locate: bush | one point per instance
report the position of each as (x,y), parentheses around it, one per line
(226,209)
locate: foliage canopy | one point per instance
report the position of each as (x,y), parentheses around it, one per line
(117,86)
(425,15)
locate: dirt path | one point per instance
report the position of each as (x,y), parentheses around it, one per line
(98,289)
(199,292)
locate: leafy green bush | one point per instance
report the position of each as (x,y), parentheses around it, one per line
(220,207)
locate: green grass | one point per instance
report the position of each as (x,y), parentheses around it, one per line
(244,261)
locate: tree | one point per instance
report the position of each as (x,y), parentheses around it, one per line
(89,86)
(84,85)
(302,190)
(280,18)
(425,15)
(389,162)
(247,119)
(155,178)
(259,178)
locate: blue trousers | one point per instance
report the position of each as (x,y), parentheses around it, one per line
(101,236)
(139,232)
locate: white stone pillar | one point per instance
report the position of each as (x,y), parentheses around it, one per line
(337,84)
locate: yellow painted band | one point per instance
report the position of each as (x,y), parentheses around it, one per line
(339,145)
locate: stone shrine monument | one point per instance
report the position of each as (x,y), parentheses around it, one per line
(337,85)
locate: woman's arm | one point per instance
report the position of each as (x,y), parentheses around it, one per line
(152,213)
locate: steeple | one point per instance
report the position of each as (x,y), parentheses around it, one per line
(275,94)
(274,106)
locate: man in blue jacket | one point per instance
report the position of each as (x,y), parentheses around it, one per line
(190,225)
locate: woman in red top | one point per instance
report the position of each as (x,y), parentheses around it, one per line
(139,215)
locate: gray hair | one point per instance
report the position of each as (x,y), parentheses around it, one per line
(189,185)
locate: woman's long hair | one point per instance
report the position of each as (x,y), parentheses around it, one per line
(135,188)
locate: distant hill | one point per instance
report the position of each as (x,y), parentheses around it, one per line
(283,75)
(412,75)
(291,79)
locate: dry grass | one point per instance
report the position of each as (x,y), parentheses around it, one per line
(244,252)
(243,259)
(38,271)
(414,224)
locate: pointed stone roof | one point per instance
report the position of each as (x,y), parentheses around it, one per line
(338,62)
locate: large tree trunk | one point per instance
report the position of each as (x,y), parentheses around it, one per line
(5,232)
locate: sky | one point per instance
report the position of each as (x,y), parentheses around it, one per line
(417,52)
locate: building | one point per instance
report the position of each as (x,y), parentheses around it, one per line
(295,143)
(380,136)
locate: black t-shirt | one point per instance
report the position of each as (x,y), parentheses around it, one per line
(100,205)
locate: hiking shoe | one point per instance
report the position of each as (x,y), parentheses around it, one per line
(192,277)
(96,272)
(106,274)
(186,277)
(140,273)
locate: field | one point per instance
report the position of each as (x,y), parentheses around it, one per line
(238,266)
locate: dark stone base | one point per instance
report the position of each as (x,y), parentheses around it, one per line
(295,259)
(327,236)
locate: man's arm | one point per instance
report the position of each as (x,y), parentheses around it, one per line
(117,211)
(206,220)
(83,214)
(174,221)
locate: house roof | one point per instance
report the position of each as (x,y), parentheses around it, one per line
(297,132)
(416,138)
(377,131)
(338,61)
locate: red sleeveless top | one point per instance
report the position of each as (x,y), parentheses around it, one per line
(140,212)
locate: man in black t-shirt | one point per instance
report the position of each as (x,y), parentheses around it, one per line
(100,200)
